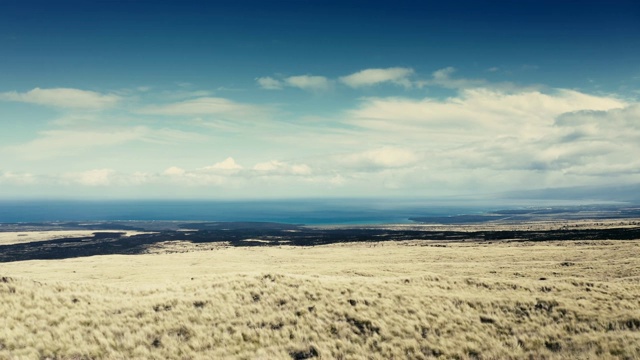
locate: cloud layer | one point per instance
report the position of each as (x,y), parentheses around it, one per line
(473,137)
(63,98)
(215,106)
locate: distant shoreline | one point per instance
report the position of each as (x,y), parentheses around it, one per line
(349,212)
(61,240)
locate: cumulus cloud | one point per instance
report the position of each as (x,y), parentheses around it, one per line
(607,140)
(96,177)
(308,82)
(63,98)
(369,77)
(482,138)
(282,168)
(174,171)
(227,164)
(269,83)
(602,124)
(525,138)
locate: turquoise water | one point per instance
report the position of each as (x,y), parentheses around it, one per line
(310,212)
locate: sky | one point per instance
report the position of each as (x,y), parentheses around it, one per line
(313,99)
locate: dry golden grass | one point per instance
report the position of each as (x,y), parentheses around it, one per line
(410,300)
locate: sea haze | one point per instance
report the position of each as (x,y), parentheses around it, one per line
(309,212)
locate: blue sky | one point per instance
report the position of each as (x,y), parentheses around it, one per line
(264,99)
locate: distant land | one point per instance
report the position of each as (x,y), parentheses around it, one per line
(538,214)
(142,236)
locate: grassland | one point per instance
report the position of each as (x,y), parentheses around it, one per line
(391,300)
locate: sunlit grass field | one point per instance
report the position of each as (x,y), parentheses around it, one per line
(391,300)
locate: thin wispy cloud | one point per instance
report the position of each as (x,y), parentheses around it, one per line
(364,78)
(15,178)
(65,143)
(270,83)
(369,77)
(415,140)
(206,106)
(63,98)
(308,82)
(379,158)
(80,143)
(444,78)
(304,82)
(477,108)
(275,167)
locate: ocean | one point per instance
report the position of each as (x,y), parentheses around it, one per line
(309,212)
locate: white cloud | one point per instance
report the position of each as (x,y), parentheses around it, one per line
(483,138)
(180,177)
(282,168)
(268,166)
(308,82)
(97,177)
(477,138)
(53,143)
(442,78)
(304,82)
(227,164)
(13,178)
(269,83)
(368,77)
(63,98)
(604,125)
(300,169)
(385,157)
(108,178)
(221,107)
(607,142)
(140,178)
(174,171)
(473,110)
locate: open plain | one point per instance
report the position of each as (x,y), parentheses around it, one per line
(411,299)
